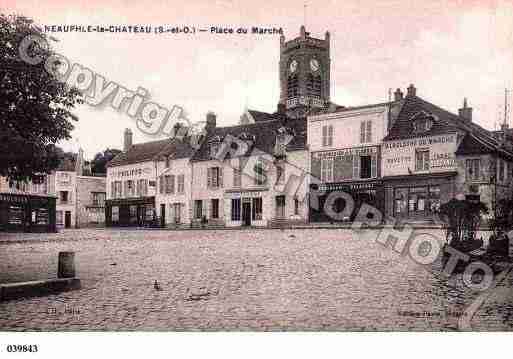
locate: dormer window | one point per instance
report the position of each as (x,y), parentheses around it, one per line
(422,122)
(214,146)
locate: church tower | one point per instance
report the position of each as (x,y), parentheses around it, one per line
(304,73)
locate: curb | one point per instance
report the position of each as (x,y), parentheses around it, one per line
(470,311)
(37,288)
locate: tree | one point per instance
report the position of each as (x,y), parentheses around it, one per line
(463,218)
(99,163)
(35,108)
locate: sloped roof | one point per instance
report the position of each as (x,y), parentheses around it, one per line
(264,132)
(139,152)
(178,148)
(477,138)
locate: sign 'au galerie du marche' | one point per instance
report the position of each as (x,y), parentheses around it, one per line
(438,159)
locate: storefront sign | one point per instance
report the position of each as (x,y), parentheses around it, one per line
(345,152)
(423,141)
(134,172)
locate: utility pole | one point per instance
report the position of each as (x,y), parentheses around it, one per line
(506,109)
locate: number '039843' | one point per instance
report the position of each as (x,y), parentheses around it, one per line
(22,348)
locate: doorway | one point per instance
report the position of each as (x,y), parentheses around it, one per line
(246,213)
(67,219)
(162,215)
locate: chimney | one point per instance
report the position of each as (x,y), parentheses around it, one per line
(127,140)
(465,112)
(398,95)
(412,91)
(211,120)
(281,108)
(302,32)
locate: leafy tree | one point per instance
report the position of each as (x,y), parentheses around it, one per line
(462,218)
(35,108)
(99,163)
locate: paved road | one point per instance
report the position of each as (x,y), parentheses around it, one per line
(233,280)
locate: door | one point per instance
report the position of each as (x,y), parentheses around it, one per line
(67,219)
(246,213)
(162,215)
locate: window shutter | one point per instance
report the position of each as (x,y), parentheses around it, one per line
(356,167)
(209,209)
(112,190)
(362,132)
(209,180)
(324,135)
(369,131)
(172,183)
(374,166)
(161,184)
(220,180)
(330,135)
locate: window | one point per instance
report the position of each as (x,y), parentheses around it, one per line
(292,86)
(115,214)
(365,166)
(366,131)
(59,219)
(313,85)
(198,209)
(214,177)
(280,173)
(327,169)
(64,196)
(98,199)
(168,161)
(181,184)
(422,125)
(256,213)
(129,188)
(280,206)
(132,214)
(236,177)
(214,213)
(214,148)
(170,183)
(501,171)
(422,160)
(236,209)
(473,169)
(296,206)
(161,185)
(327,136)
(416,200)
(116,189)
(260,173)
(142,187)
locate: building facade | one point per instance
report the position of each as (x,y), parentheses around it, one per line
(26,206)
(431,156)
(345,158)
(131,184)
(262,183)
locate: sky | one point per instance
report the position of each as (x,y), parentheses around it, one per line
(449,49)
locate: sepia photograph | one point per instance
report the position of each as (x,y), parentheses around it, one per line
(290,173)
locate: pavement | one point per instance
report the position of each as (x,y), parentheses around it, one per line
(290,279)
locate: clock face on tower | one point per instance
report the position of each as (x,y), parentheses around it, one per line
(314,65)
(293,66)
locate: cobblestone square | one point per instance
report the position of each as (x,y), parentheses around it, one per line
(329,279)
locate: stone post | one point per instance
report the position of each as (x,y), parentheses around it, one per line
(66,267)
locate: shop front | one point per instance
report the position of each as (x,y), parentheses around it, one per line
(27,213)
(132,212)
(246,208)
(417,198)
(339,202)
